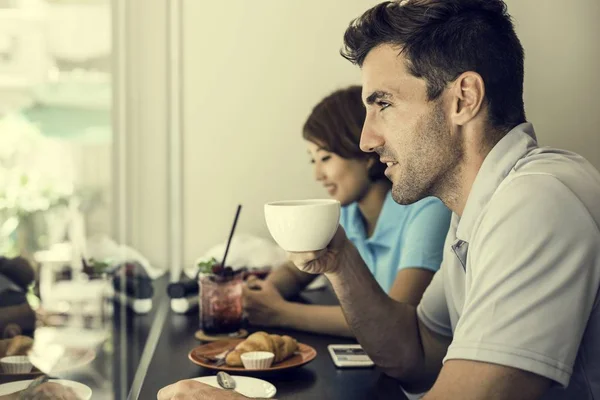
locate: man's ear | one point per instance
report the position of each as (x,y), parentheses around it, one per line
(468,93)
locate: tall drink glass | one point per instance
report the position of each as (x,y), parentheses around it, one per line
(220,303)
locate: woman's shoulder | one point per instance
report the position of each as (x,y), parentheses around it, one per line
(348,214)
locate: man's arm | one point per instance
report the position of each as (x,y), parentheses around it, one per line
(289,280)
(328,320)
(265,306)
(473,380)
(410,284)
(389,331)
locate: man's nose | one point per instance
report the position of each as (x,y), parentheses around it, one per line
(370,139)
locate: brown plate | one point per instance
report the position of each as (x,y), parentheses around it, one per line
(198,355)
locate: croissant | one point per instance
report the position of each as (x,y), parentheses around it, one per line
(282,346)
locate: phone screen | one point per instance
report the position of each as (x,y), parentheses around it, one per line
(350,354)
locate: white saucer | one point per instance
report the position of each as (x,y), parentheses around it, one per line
(82,391)
(249,387)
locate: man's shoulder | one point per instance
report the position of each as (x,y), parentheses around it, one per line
(547,174)
(567,167)
(546,195)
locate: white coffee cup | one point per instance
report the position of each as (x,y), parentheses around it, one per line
(303,225)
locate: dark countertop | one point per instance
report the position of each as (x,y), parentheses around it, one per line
(320,379)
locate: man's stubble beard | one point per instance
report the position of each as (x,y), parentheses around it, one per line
(434,167)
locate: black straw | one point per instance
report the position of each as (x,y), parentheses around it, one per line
(237,214)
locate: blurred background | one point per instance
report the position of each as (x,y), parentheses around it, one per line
(137,126)
(251,72)
(55,119)
(243,76)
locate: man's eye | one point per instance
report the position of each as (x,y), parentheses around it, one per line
(383,105)
(325,158)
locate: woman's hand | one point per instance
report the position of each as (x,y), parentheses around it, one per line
(263,303)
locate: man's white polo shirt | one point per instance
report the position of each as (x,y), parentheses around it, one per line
(518,285)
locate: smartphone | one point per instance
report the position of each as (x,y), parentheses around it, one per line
(349,356)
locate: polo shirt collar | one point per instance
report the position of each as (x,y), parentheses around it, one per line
(356,229)
(385,224)
(354,226)
(495,168)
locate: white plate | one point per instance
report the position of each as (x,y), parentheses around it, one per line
(249,387)
(82,391)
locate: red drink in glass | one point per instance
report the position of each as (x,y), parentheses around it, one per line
(220,303)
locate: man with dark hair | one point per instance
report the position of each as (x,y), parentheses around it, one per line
(514,311)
